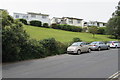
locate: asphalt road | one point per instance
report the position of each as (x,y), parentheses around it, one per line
(97,64)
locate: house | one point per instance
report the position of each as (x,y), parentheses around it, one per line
(56,20)
(67,20)
(95,23)
(44,18)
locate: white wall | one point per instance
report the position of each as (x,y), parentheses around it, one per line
(75,22)
(37,17)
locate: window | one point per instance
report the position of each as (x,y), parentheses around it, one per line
(44,17)
(78,21)
(17,16)
(33,16)
(25,17)
(71,21)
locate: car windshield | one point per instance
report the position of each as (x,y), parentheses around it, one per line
(113,42)
(93,43)
(76,44)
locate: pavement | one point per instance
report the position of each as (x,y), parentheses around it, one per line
(97,64)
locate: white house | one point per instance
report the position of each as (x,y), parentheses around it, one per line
(56,20)
(44,18)
(67,20)
(95,23)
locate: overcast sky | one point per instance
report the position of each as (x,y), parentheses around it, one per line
(96,10)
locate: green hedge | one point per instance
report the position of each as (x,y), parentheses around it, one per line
(102,30)
(45,25)
(67,27)
(24,21)
(36,23)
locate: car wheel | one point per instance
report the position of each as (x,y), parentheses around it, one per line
(79,52)
(99,48)
(89,50)
(108,48)
(116,46)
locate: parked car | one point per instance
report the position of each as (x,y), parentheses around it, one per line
(98,45)
(114,44)
(78,47)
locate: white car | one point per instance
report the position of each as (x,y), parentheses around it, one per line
(78,47)
(114,44)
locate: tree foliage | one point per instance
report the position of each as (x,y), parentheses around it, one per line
(6,19)
(93,30)
(113,25)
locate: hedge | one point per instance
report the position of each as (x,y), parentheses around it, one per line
(67,27)
(36,23)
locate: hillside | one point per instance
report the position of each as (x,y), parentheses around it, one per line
(39,33)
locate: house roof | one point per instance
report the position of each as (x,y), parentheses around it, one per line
(73,18)
(97,21)
(56,18)
(37,13)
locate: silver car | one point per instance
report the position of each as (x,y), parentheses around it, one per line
(98,45)
(78,47)
(114,44)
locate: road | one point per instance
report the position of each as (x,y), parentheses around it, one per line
(97,64)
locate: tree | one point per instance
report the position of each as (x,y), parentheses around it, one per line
(93,30)
(113,25)
(6,19)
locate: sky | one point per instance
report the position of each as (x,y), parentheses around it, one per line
(89,10)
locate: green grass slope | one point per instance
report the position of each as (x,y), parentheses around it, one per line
(39,33)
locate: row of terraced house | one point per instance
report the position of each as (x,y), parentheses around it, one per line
(44,18)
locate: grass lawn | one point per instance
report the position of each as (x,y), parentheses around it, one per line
(39,33)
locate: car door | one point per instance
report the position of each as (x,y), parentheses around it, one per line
(101,45)
(104,45)
(83,47)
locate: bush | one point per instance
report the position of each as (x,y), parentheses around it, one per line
(24,21)
(12,38)
(67,27)
(50,46)
(35,23)
(45,25)
(76,39)
(31,50)
(53,47)
(101,30)
(84,29)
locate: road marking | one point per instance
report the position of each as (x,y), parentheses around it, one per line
(115,75)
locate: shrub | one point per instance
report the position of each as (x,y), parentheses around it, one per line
(84,29)
(53,47)
(101,30)
(54,26)
(35,23)
(50,46)
(12,38)
(45,25)
(61,47)
(76,39)
(24,21)
(31,50)
(67,27)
